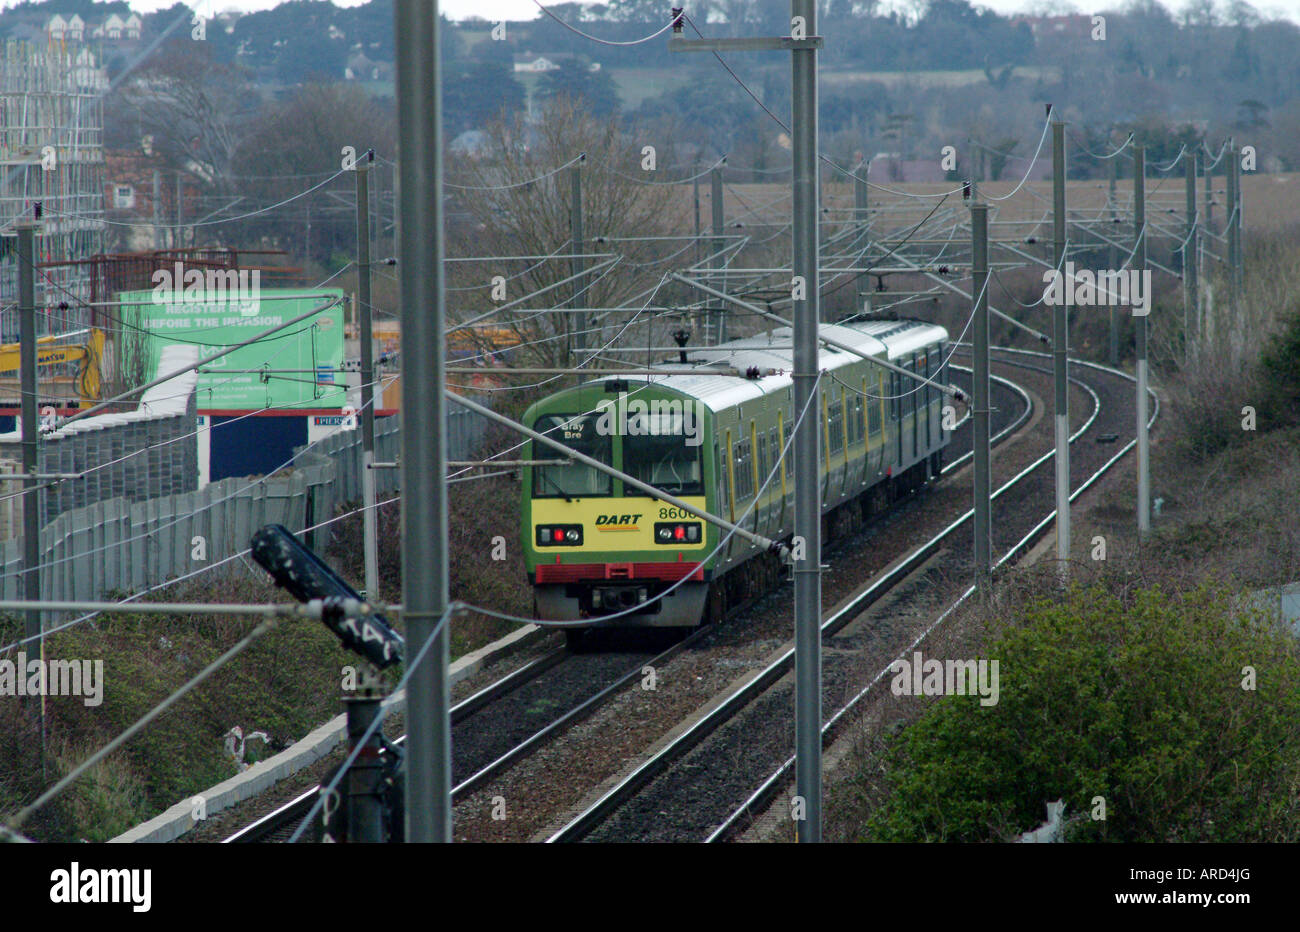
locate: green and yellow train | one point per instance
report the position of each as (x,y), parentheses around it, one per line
(594,547)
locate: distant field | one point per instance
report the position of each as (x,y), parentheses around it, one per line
(841,79)
(636,84)
(1270,202)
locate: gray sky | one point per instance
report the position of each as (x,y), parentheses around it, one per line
(526,9)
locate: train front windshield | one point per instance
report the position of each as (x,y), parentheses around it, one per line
(575,480)
(660,449)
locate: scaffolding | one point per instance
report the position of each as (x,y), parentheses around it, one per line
(52,153)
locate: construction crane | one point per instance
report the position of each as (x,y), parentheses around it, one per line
(51,352)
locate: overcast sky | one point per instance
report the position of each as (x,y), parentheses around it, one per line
(526,9)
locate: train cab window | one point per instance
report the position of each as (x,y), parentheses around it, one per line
(576,480)
(661,449)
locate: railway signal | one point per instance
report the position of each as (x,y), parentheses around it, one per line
(305,576)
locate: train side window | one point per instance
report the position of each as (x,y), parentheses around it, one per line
(744,476)
(914,386)
(930,371)
(873,408)
(835,423)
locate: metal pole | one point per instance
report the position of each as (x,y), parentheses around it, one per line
(860,218)
(1209,197)
(578,264)
(176,235)
(424,451)
(1191,287)
(1060,354)
(157,209)
(717,313)
(1232,170)
(1113,261)
(365,776)
(31,434)
(695,185)
(365,333)
(979,219)
(1140,263)
(807,438)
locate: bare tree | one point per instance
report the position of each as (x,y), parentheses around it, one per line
(195,108)
(296,144)
(518,204)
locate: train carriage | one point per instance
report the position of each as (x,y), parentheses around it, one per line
(594,546)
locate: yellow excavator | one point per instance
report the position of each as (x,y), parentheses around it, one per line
(54,350)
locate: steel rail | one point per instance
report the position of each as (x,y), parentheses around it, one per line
(600,809)
(297,808)
(763,795)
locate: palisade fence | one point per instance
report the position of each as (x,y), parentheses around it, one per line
(116,547)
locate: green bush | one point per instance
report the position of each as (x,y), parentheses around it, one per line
(1140,702)
(1280,376)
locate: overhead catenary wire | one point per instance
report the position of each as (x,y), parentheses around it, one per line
(672,181)
(1082,148)
(654,35)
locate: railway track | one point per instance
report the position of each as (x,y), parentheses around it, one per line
(475,768)
(478,762)
(670,769)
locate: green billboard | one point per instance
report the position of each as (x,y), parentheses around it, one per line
(299,367)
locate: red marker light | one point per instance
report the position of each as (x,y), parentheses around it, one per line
(557,535)
(679,532)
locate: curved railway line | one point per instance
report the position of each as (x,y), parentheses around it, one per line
(572,691)
(706,777)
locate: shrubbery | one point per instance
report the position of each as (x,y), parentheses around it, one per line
(1279,367)
(1140,702)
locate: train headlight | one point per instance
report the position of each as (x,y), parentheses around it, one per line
(559,535)
(678,532)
